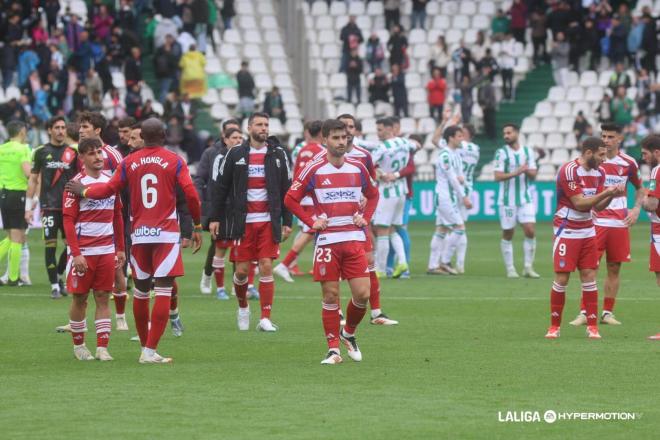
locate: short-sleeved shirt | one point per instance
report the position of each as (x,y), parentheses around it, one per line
(12,157)
(57,165)
(448,166)
(620,169)
(514,191)
(469,153)
(654,191)
(392,156)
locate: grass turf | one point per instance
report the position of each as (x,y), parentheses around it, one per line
(467,348)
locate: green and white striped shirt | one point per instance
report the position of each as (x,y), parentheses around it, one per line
(296,151)
(514,191)
(392,156)
(447,169)
(469,153)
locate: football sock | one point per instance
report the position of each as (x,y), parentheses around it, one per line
(61,264)
(354,314)
(208,263)
(159,315)
(4,248)
(506,247)
(219,271)
(437,246)
(103,327)
(590,298)
(529,249)
(141,314)
(397,245)
(405,237)
(451,243)
(14,260)
(51,262)
(174,299)
(390,258)
(330,319)
(374,291)
(382,249)
(557,301)
(78,329)
(608,304)
(240,289)
(266,294)
(25,261)
(461,250)
(120,301)
(583,310)
(290,258)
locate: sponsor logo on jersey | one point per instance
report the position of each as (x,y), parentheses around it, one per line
(58,165)
(589,192)
(256,171)
(91,204)
(146,231)
(614,180)
(347,195)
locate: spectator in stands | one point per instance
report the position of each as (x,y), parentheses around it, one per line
(103,23)
(619,78)
(418,17)
(574,39)
(634,42)
(466,100)
(274,105)
(174,133)
(649,43)
(440,56)
(398,45)
(134,101)
(193,74)
(507,62)
(399,91)
(622,107)
(186,111)
(245,91)
(461,58)
(539,36)
(379,87)
(200,12)
(617,37)
(7,64)
(487,101)
(392,13)
(604,110)
(28,61)
(351,38)
(133,67)
(518,13)
(227,12)
(490,61)
(165,67)
(580,126)
(559,18)
(375,52)
(499,25)
(354,69)
(436,90)
(479,48)
(591,47)
(559,55)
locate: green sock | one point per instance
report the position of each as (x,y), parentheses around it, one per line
(14,260)
(4,248)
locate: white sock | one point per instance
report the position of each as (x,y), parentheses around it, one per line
(461,250)
(507,253)
(451,242)
(382,249)
(55,286)
(397,245)
(149,351)
(375,313)
(529,248)
(437,246)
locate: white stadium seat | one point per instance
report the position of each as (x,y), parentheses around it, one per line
(557,94)
(549,125)
(575,94)
(542,109)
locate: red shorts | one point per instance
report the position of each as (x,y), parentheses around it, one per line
(346,260)
(223,244)
(654,261)
(158,260)
(257,242)
(615,242)
(575,253)
(100,275)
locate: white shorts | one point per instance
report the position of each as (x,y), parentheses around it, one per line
(464,212)
(448,213)
(389,211)
(512,215)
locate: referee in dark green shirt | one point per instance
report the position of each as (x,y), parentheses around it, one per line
(15,165)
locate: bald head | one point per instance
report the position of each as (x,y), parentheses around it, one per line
(153,132)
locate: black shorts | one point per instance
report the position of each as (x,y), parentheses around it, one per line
(12,206)
(51,221)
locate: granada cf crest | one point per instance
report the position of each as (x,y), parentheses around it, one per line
(572,186)
(322,270)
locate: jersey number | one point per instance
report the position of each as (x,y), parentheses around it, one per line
(323,255)
(562,249)
(149,193)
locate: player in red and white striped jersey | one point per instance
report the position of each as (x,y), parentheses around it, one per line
(95,232)
(337,185)
(311,149)
(580,189)
(151,175)
(613,223)
(651,204)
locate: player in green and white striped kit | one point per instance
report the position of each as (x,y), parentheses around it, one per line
(390,157)
(515,167)
(469,153)
(450,193)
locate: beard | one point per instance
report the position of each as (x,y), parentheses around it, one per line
(260,137)
(593,163)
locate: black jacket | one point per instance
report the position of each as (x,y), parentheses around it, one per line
(229,206)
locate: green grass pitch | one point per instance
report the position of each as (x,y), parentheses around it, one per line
(467,348)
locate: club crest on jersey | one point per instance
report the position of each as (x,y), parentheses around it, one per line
(572,186)
(277,162)
(241,161)
(322,269)
(562,263)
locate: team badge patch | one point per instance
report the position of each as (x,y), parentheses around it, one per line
(562,263)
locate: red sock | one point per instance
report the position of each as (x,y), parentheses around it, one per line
(608,304)
(159,316)
(583,309)
(557,300)
(174,299)
(374,294)
(141,314)
(330,319)
(354,314)
(219,271)
(590,298)
(251,272)
(103,327)
(78,329)
(266,294)
(240,289)
(290,258)
(120,301)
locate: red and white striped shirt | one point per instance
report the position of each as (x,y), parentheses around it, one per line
(111,158)
(573,179)
(654,191)
(620,169)
(257,194)
(336,193)
(306,154)
(363,156)
(90,224)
